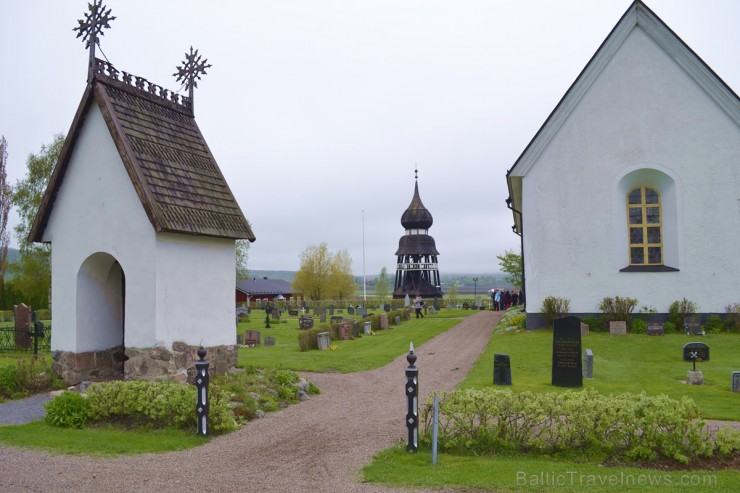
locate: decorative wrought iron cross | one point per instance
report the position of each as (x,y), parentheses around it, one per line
(190,71)
(91,27)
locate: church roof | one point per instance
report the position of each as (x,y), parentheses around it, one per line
(166,156)
(638,15)
(261,287)
(416,216)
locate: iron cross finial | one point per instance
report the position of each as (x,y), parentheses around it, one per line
(91,27)
(190,71)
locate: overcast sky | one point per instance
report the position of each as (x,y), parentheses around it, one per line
(317,110)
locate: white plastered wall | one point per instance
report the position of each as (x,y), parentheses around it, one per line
(178,287)
(642,112)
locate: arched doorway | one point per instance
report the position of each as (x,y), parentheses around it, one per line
(101,291)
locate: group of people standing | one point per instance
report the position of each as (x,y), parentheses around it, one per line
(505,299)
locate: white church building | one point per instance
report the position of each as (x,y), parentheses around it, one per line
(631,187)
(143,227)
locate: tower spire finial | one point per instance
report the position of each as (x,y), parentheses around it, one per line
(90,27)
(416,171)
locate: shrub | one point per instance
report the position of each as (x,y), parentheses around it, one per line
(647,312)
(638,326)
(595,324)
(714,324)
(679,310)
(156,404)
(553,308)
(9,386)
(519,321)
(625,427)
(732,312)
(28,376)
(617,308)
(669,327)
(67,410)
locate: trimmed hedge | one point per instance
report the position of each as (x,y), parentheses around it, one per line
(628,427)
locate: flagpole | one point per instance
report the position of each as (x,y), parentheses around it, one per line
(364,282)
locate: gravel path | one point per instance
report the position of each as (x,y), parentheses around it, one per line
(24,410)
(316,446)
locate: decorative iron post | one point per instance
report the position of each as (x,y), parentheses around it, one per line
(201,383)
(412,402)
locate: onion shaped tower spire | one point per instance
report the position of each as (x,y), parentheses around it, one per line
(417,272)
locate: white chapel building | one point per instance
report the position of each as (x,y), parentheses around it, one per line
(632,185)
(143,227)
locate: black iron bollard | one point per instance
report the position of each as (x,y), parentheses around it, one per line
(201,383)
(412,400)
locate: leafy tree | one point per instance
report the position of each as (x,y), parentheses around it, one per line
(453,291)
(242,254)
(382,284)
(5,205)
(341,281)
(323,275)
(511,265)
(33,270)
(312,277)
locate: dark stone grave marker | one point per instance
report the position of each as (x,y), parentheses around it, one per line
(567,366)
(735,386)
(655,330)
(695,351)
(322,317)
(351,310)
(501,369)
(269,341)
(692,326)
(305,323)
(335,319)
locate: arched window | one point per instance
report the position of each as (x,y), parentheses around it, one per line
(645,219)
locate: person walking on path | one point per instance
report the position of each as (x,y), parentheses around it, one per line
(418,304)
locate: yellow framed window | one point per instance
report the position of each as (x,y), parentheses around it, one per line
(644,220)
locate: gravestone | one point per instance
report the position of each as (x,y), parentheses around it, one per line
(735,384)
(242,311)
(501,369)
(567,366)
(355,328)
(252,338)
(584,329)
(344,332)
(588,363)
(293,313)
(269,341)
(323,340)
(618,327)
(692,326)
(322,317)
(367,328)
(305,323)
(655,330)
(351,310)
(335,319)
(695,351)
(397,319)
(362,311)
(239,340)
(384,321)
(387,308)
(22,316)
(331,311)
(382,306)
(340,311)
(276,314)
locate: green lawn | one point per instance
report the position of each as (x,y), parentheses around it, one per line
(630,363)
(396,467)
(364,353)
(97,441)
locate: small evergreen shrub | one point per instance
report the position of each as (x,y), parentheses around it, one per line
(714,324)
(669,327)
(680,309)
(617,308)
(595,324)
(553,308)
(638,326)
(67,410)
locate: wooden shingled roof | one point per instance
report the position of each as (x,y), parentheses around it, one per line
(170,165)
